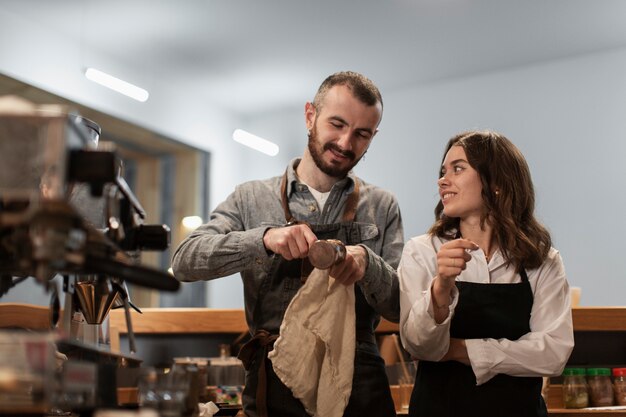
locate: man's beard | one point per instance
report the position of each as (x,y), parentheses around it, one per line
(329,169)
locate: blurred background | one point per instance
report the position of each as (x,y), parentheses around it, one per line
(548,74)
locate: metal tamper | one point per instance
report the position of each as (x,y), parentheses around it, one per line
(325,253)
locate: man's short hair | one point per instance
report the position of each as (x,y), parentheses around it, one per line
(362,88)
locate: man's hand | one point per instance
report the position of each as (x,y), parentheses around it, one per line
(291,242)
(352,269)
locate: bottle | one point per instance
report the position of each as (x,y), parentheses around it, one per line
(600,387)
(575,393)
(226,376)
(619,385)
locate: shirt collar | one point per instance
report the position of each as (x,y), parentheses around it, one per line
(346,183)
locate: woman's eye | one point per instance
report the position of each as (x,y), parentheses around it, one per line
(458,169)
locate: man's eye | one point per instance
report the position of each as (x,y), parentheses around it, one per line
(337,125)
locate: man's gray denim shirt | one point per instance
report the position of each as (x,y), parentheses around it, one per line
(232,240)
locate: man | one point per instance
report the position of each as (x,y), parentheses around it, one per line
(265,228)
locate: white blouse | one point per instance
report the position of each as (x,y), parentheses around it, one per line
(543,351)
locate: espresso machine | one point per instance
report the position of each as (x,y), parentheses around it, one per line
(65,209)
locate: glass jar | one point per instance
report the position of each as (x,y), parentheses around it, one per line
(619,385)
(575,388)
(600,387)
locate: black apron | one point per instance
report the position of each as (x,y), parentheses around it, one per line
(264,393)
(449,388)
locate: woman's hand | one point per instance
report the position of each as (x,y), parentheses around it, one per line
(457,351)
(452,259)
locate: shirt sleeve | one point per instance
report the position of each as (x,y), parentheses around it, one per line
(543,351)
(380,282)
(220,247)
(421,336)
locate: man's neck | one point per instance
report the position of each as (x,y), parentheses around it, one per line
(309,173)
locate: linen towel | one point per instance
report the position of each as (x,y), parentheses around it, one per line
(314,353)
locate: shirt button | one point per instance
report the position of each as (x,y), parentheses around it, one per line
(312,208)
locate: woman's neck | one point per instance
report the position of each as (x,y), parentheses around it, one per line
(471,229)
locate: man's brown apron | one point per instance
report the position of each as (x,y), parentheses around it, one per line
(264,394)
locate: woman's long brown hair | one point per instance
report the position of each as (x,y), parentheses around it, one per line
(508,195)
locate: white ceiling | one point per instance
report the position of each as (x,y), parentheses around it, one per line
(256,55)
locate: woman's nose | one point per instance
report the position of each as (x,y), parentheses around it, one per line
(443,181)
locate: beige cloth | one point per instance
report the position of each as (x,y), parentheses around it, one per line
(314,354)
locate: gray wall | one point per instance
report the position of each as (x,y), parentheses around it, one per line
(569,119)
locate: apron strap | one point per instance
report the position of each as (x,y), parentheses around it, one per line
(349,212)
(523,274)
(262,339)
(284,201)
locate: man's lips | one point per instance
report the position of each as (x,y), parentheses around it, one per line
(339,153)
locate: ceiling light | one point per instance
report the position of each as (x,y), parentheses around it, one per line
(192,222)
(116,84)
(255,142)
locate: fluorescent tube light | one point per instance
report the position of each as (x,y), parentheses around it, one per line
(116,84)
(255,142)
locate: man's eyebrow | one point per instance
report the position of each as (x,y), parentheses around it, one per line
(339,119)
(343,121)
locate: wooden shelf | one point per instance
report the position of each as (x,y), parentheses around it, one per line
(194,320)
(181,321)
(24,316)
(566,412)
(599,318)
(208,320)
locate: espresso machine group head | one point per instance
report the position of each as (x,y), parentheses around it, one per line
(66,209)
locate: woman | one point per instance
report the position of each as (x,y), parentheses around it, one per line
(485,304)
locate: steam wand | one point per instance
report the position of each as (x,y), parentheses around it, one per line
(131,335)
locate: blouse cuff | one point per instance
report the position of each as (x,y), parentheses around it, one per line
(482,359)
(430,307)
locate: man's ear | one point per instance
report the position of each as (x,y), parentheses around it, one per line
(309,115)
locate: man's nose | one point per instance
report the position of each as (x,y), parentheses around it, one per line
(345,141)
